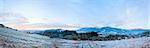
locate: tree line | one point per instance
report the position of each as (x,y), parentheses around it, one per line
(73,35)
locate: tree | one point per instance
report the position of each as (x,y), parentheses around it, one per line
(147,34)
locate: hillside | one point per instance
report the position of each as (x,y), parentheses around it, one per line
(16,39)
(10,38)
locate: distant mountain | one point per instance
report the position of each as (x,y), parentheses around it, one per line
(102,30)
(89,29)
(54,30)
(112,30)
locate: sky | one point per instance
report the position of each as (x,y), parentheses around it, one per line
(70,14)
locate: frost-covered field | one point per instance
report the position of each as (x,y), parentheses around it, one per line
(14,39)
(130,43)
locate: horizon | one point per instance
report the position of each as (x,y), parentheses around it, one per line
(79,28)
(45,14)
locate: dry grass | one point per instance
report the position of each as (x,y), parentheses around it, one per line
(146,45)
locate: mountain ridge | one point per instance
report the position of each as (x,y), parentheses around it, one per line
(111,29)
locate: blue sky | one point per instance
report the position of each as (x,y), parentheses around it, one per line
(74,13)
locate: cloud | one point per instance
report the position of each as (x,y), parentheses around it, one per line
(133,17)
(46,26)
(12,18)
(74,13)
